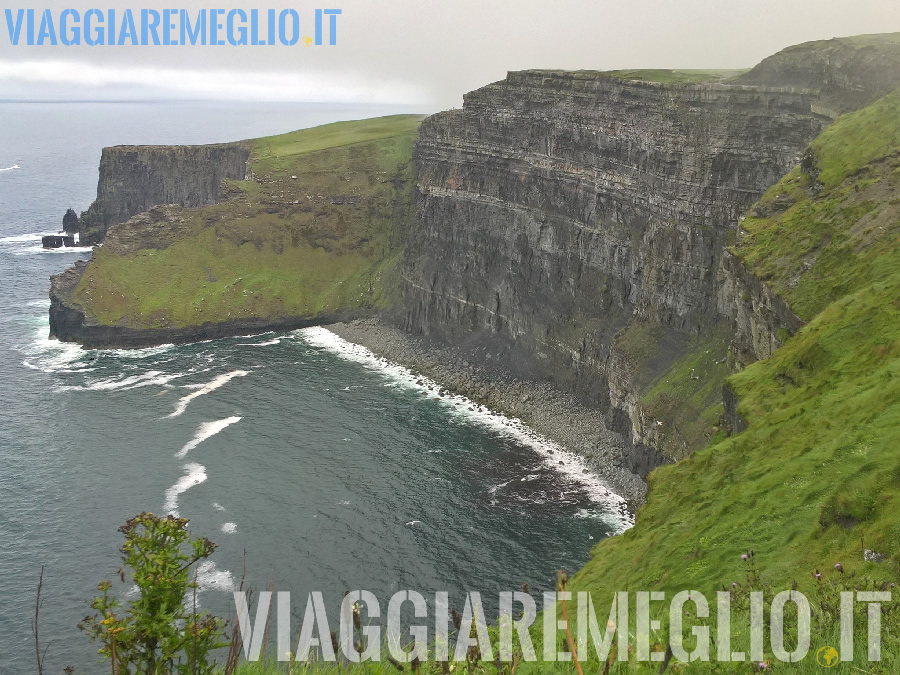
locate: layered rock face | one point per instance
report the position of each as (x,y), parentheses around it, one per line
(564,217)
(761,318)
(570,227)
(135,178)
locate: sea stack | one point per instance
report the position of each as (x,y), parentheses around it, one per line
(70,222)
(57,241)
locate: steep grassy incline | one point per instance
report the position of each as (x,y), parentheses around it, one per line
(315,233)
(815,478)
(829,226)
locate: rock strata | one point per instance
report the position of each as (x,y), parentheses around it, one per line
(570,240)
(566,219)
(136,178)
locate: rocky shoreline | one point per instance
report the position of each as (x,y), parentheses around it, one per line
(548,411)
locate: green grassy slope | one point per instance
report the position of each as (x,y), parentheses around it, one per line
(815,479)
(318,231)
(829,226)
(677,76)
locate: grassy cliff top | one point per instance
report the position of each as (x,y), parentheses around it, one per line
(316,233)
(276,153)
(867,66)
(702,76)
(660,75)
(825,229)
(849,73)
(888,40)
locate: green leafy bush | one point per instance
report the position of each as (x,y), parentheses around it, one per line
(160,631)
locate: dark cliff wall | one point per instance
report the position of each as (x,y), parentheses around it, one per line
(557,211)
(135,178)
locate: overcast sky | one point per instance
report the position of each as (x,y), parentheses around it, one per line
(430,52)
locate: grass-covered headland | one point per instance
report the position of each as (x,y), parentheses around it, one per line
(316,231)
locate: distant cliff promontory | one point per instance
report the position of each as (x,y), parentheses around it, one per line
(207,241)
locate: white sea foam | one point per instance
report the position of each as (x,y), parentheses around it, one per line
(150,378)
(229,528)
(554,456)
(210,577)
(597,514)
(218,507)
(212,385)
(134,354)
(51,356)
(26,238)
(206,430)
(30,243)
(194,474)
(10,168)
(273,341)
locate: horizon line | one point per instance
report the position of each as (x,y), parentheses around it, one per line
(202,100)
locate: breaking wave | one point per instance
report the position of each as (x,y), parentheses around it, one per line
(553,456)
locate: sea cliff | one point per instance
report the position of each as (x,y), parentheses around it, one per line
(573,224)
(275,233)
(689,278)
(577,229)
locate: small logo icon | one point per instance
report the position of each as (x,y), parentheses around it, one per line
(827,657)
(306,41)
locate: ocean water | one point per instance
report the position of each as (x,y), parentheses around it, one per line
(328,468)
